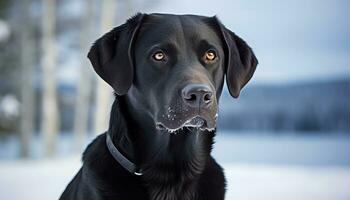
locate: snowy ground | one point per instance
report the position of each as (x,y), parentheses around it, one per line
(46,179)
(268,167)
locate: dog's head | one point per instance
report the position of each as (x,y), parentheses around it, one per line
(172,67)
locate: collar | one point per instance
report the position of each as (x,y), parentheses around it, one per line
(120,158)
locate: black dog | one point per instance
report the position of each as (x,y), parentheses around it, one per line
(168,73)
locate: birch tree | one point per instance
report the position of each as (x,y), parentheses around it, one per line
(50,117)
(27,86)
(84,85)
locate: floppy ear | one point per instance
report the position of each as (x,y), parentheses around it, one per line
(111,55)
(240,60)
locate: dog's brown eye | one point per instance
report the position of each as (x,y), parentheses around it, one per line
(158,56)
(210,55)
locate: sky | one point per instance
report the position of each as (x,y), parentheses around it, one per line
(294,40)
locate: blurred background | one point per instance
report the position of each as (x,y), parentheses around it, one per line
(286,137)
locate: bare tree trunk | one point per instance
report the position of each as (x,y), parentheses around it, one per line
(104,94)
(50,118)
(84,84)
(27,87)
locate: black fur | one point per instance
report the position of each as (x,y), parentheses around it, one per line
(176,166)
(101,177)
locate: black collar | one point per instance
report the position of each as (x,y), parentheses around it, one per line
(120,158)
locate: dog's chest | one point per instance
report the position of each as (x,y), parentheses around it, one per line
(174,192)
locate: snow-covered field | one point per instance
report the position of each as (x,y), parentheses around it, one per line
(257,167)
(46,179)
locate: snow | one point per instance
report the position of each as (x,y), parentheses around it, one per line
(257,166)
(4,31)
(46,179)
(256,182)
(9,106)
(30,179)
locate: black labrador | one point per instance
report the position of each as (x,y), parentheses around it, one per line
(167,72)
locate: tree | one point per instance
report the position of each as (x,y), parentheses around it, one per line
(84,85)
(27,86)
(50,119)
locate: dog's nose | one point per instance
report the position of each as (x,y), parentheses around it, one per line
(197,95)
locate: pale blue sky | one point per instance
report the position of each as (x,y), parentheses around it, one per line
(294,40)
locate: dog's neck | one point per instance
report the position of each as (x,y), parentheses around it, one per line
(165,158)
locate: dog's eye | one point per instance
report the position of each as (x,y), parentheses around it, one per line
(158,56)
(210,55)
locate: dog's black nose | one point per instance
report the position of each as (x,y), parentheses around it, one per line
(197,95)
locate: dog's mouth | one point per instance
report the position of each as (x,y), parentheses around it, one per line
(196,122)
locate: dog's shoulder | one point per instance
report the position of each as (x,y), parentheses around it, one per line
(94,148)
(78,187)
(101,177)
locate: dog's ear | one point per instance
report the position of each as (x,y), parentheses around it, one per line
(240,60)
(111,55)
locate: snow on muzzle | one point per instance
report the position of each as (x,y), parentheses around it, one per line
(195,122)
